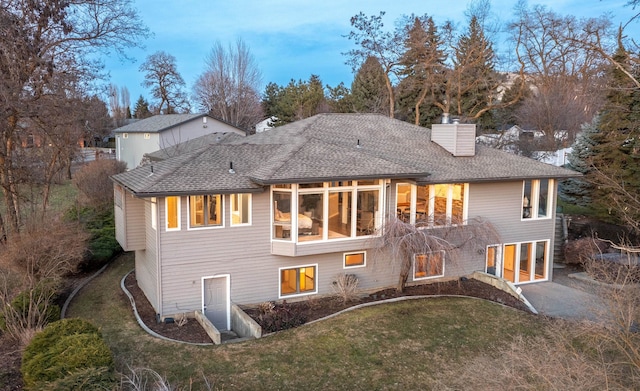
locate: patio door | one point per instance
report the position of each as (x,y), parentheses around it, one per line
(216,304)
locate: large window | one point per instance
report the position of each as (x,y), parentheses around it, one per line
(428,265)
(172,207)
(240,209)
(298,280)
(519,262)
(326,211)
(431,205)
(205,211)
(536,202)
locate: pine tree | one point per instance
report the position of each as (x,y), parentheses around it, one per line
(616,153)
(475,75)
(368,89)
(423,71)
(141,110)
(577,191)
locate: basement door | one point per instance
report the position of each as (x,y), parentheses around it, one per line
(216,304)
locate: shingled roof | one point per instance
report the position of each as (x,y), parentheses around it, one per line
(328,147)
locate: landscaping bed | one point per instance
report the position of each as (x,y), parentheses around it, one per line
(286,315)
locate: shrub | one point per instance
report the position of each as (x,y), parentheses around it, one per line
(31,309)
(87,379)
(48,337)
(67,348)
(101,226)
(346,287)
(582,250)
(94,186)
(280,317)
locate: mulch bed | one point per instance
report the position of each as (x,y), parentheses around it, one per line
(305,311)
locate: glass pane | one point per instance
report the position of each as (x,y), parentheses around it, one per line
(282,215)
(543,199)
(440,204)
(367,182)
(310,216)
(367,212)
(541,260)
(354,259)
(403,201)
(214,213)
(196,211)
(420,266)
(509,259)
(245,209)
(340,215)
(310,185)
(527,200)
(172,212)
(282,186)
(422,206)
(340,184)
(457,204)
(492,254)
(525,262)
(288,281)
(307,279)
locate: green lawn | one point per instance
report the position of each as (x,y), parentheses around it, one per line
(413,344)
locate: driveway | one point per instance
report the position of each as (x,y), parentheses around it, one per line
(568,296)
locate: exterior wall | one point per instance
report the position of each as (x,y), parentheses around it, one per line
(131,149)
(244,252)
(147,262)
(129,220)
(459,139)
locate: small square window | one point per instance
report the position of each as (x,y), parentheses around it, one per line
(354,260)
(125,135)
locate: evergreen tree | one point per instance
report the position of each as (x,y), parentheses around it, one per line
(368,89)
(423,65)
(340,99)
(141,110)
(296,101)
(616,153)
(577,191)
(475,76)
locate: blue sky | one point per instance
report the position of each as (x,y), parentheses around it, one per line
(292,39)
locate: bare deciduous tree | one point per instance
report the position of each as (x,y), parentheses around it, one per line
(401,241)
(167,86)
(229,87)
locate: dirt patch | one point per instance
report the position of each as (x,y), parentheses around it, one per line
(191,331)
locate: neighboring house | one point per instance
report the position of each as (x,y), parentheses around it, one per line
(135,140)
(279,214)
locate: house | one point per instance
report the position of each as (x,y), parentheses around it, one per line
(136,139)
(279,214)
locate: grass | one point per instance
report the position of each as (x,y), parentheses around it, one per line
(406,345)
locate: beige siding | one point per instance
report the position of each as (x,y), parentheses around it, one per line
(129,220)
(147,263)
(459,139)
(245,253)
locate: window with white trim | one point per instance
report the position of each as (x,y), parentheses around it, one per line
(431,205)
(428,265)
(536,200)
(172,212)
(205,211)
(299,280)
(241,209)
(353,260)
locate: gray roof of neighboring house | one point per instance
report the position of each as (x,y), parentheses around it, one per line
(329,147)
(159,123)
(192,145)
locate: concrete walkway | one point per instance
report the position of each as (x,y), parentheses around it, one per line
(562,301)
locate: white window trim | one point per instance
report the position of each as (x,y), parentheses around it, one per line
(344,260)
(250,206)
(535,202)
(413,266)
(499,248)
(154,213)
(325,191)
(166,209)
(204,227)
(432,201)
(516,264)
(315,291)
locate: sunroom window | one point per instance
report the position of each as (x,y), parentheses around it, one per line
(431,205)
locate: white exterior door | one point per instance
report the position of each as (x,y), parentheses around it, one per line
(216,304)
